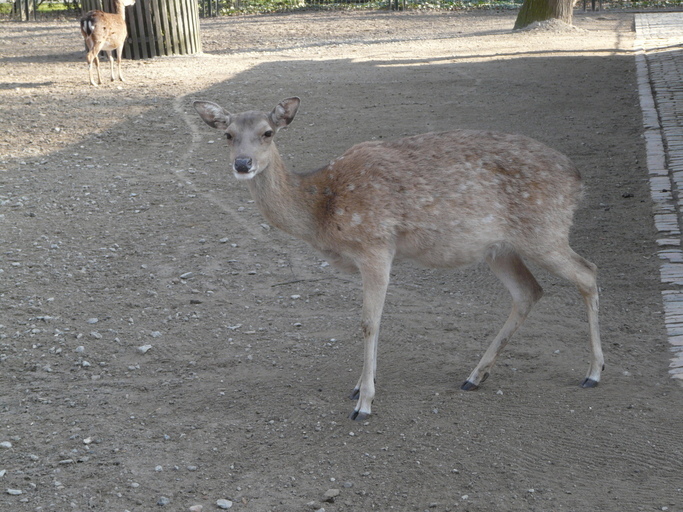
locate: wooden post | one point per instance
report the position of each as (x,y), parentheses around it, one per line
(26,9)
(157,27)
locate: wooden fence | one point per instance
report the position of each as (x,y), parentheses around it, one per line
(157,27)
(209,8)
(25,10)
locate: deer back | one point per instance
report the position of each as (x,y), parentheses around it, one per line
(442,198)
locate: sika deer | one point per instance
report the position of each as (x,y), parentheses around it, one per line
(440,199)
(105,31)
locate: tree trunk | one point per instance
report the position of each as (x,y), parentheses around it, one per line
(541,10)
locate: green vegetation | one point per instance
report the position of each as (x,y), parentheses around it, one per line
(43,8)
(48,8)
(53,8)
(236,7)
(647,4)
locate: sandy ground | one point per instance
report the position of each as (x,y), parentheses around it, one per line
(121,227)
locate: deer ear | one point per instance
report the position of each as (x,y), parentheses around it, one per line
(212,114)
(285,111)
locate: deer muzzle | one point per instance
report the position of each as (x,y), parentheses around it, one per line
(243,165)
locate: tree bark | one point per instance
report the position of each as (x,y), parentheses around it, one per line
(541,10)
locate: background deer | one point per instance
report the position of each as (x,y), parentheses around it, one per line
(440,199)
(105,31)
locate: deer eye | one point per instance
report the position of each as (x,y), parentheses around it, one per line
(268,134)
(228,136)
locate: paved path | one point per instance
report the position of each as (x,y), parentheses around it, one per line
(659,61)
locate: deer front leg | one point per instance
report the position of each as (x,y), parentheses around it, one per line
(597,359)
(375,276)
(110,56)
(119,52)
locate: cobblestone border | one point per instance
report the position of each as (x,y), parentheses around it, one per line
(659,66)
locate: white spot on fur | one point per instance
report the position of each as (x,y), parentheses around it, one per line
(356,219)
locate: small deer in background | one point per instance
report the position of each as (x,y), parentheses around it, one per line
(440,199)
(105,31)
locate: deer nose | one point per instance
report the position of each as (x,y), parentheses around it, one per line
(243,164)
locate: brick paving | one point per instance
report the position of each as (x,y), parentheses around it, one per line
(659,62)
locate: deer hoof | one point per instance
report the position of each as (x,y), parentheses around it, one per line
(469,386)
(359,416)
(589,383)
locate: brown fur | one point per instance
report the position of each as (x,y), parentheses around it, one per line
(105,32)
(440,199)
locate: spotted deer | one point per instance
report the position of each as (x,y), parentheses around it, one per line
(440,199)
(105,31)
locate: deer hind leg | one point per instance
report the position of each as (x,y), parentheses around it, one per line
(89,56)
(525,291)
(93,56)
(375,276)
(566,263)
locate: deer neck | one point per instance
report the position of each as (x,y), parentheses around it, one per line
(120,9)
(276,192)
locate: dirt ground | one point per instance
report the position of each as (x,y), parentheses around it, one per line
(121,227)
